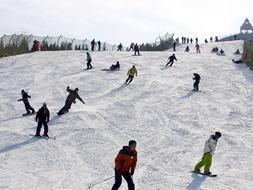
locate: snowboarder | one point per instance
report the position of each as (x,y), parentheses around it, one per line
(125,164)
(215,50)
(73,95)
(187,49)
(197,48)
(196,83)
(99,46)
(115,67)
(42,118)
(131,72)
(136,49)
(171,59)
(88,59)
(174,45)
(25,97)
(93,43)
(208,154)
(120,46)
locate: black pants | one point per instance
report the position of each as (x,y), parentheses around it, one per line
(136,51)
(118,181)
(39,128)
(196,86)
(170,62)
(65,108)
(129,79)
(89,66)
(28,107)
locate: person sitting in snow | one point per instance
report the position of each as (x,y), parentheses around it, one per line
(237,52)
(222,52)
(25,100)
(209,149)
(115,67)
(73,95)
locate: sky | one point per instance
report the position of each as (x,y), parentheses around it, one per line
(124,21)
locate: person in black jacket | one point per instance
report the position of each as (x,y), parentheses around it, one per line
(196,83)
(171,60)
(42,117)
(93,43)
(136,49)
(73,95)
(25,97)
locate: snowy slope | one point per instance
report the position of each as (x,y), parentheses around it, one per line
(159,110)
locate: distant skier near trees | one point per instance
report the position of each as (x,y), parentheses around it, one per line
(120,46)
(73,95)
(88,59)
(131,73)
(99,46)
(196,78)
(209,149)
(174,45)
(191,40)
(125,164)
(197,48)
(136,49)
(171,59)
(93,43)
(25,100)
(42,117)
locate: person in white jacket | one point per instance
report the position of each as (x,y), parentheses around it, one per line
(208,154)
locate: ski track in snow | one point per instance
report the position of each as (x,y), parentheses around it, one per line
(158,109)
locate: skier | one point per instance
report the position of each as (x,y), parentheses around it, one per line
(88,59)
(131,72)
(208,154)
(136,49)
(99,46)
(115,67)
(191,40)
(120,46)
(93,43)
(131,46)
(174,45)
(197,48)
(73,95)
(171,60)
(25,97)
(196,83)
(211,40)
(42,118)
(125,164)
(196,40)
(187,49)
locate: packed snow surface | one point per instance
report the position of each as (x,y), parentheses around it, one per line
(158,109)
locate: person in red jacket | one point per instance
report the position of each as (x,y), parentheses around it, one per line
(125,164)
(42,117)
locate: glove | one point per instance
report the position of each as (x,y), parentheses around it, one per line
(132,172)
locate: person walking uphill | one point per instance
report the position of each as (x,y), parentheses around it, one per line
(88,59)
(125,164)
(25,97)
(42,117)
(73,95)
(131,72)
(196,83)
(209,149)
(171,60)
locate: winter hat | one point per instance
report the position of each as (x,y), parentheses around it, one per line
(132,142)
(218,134)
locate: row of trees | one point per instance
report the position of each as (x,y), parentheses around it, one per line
(163,45)
(14,48)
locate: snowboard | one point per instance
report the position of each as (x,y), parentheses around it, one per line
(62,113)
(201,173)
(27,114)
(89,69)
(136,55)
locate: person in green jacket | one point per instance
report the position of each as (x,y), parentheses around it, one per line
(209,149)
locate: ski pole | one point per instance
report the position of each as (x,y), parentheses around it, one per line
(92,185)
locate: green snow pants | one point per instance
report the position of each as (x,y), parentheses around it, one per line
(205,161)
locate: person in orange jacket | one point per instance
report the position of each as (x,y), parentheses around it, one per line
(125,164)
